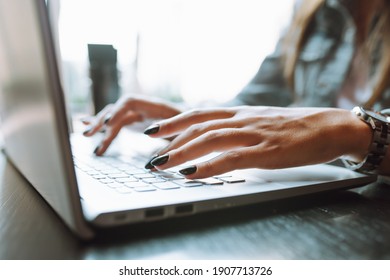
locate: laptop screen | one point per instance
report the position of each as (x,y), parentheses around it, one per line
(32,107)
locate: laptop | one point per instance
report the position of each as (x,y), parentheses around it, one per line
(90,192)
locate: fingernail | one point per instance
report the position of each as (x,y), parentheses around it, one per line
(149,165)
(107,119)
(188,170)
(96,150)
(160,160)
(152,129)
(87,131)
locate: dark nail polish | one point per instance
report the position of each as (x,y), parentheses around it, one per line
(188,170)
(96,150)
(107,119)
(152,129)
(160,160)
(149,165)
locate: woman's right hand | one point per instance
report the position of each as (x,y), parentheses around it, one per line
(126,111)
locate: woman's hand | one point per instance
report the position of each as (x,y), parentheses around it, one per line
(259,137)
(126,111)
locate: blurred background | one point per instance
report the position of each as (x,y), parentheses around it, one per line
(197,51)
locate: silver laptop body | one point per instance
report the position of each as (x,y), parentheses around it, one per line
(37,141)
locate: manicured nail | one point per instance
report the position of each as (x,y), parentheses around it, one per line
(160,160)
(107,118)
(152,129)
(96,150)
(88,130)
(188,170)
(85,119)
(149,165)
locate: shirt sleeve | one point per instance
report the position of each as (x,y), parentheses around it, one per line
(268,87)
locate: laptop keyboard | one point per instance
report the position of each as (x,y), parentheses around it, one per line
(125,176)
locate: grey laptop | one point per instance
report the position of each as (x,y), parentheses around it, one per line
(89,192)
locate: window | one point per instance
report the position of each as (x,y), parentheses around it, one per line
(199,51)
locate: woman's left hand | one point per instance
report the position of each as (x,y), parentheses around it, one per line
(259,137)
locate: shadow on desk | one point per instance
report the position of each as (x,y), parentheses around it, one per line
(337,225)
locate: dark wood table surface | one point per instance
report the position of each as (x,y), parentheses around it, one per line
(352,224)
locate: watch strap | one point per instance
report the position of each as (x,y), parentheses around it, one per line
(378,147)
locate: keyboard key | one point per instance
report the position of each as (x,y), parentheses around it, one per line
(122,167)
(166,186)
(106,181)
(232,180)
(134,171)
(136,184)
(93,173)
(126,180)
(153,180)
(114,185)
(123,190)
(144,176)
(99,177)
(145,189)
(101,167)
(187,183)
(110,171)
(118,176)
(210,181)
(168,175)
(85,168)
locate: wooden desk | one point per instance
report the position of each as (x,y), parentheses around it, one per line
(339,225)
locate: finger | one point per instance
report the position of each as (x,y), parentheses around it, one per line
(198,129)
(177,124)
(153,108)
(241,158)
(261,155)
(123,116)
(113,129)
(97,122)
(87,120)
(212,141)
(149,107)
(113,115)
(110,135)
(136,109)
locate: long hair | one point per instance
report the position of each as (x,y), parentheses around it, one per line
(295,36)
(299,29)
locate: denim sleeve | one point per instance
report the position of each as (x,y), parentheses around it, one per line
(268,87)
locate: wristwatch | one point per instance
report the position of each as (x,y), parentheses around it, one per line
(380,124)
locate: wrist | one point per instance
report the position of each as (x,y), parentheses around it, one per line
(379,125)
(350,137)
(360,136)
